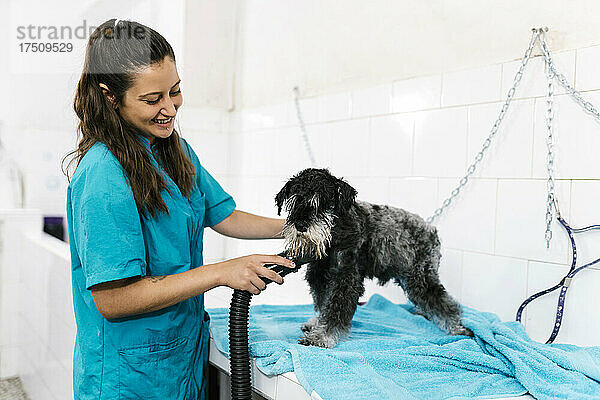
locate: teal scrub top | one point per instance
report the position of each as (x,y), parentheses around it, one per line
(156,355)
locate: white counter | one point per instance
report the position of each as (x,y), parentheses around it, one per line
(285,386)
(279,387)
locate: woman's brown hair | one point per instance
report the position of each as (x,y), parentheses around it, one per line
(115,52)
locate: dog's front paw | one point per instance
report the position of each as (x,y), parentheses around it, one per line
(309,325)
(305,341)
(318,339)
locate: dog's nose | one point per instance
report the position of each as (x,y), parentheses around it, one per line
(301,226)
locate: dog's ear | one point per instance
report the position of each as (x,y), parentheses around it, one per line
(345,197)
(281,196)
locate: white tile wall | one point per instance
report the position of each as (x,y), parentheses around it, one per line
(419,195)
(494,284)
(576,138)
(469,222)
(211,149)
(334,106)
(371,189)
(477,85)
(350,139)
(290,155)
(520,221)
(587,68)
(416,94)
(202,119)
(440,144)
(239,156)
(371,101)
(390,145)
(320,139)
(262,150)
(309,108)
(510,152)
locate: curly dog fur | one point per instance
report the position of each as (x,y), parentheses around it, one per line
(351,240)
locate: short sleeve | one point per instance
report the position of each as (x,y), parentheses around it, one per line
(106,224)
(218,203)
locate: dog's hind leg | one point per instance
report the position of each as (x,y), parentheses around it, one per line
(433,302)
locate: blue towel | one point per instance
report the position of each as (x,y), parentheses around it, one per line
(394,354)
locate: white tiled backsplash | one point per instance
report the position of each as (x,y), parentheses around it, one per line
(407,144)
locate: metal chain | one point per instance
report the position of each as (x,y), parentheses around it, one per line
(551,73)
(488,141)
(550,144)
(586,105)
(303,129)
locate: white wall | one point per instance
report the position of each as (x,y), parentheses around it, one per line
(327,46)
(37,325)
(13,224)
(38,89)
(211,34)
(46,321)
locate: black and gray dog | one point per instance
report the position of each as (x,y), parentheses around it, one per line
(352,240)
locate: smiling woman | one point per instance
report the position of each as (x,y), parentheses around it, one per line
(130,88)
(137,205)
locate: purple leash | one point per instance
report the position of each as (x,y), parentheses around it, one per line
(564,283)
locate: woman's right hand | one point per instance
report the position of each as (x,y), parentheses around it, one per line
(244,272)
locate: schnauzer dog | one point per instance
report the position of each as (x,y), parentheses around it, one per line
(350,240)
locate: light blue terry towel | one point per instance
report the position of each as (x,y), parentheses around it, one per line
(394,354)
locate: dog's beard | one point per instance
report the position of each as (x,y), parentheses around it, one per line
(313,242)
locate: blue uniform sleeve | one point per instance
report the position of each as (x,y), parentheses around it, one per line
(106,224)
(218,203)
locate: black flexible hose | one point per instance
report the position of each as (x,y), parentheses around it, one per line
(239,359)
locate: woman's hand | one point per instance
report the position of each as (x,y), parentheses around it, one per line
(244,272)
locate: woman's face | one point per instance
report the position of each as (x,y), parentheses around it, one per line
(152,102)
